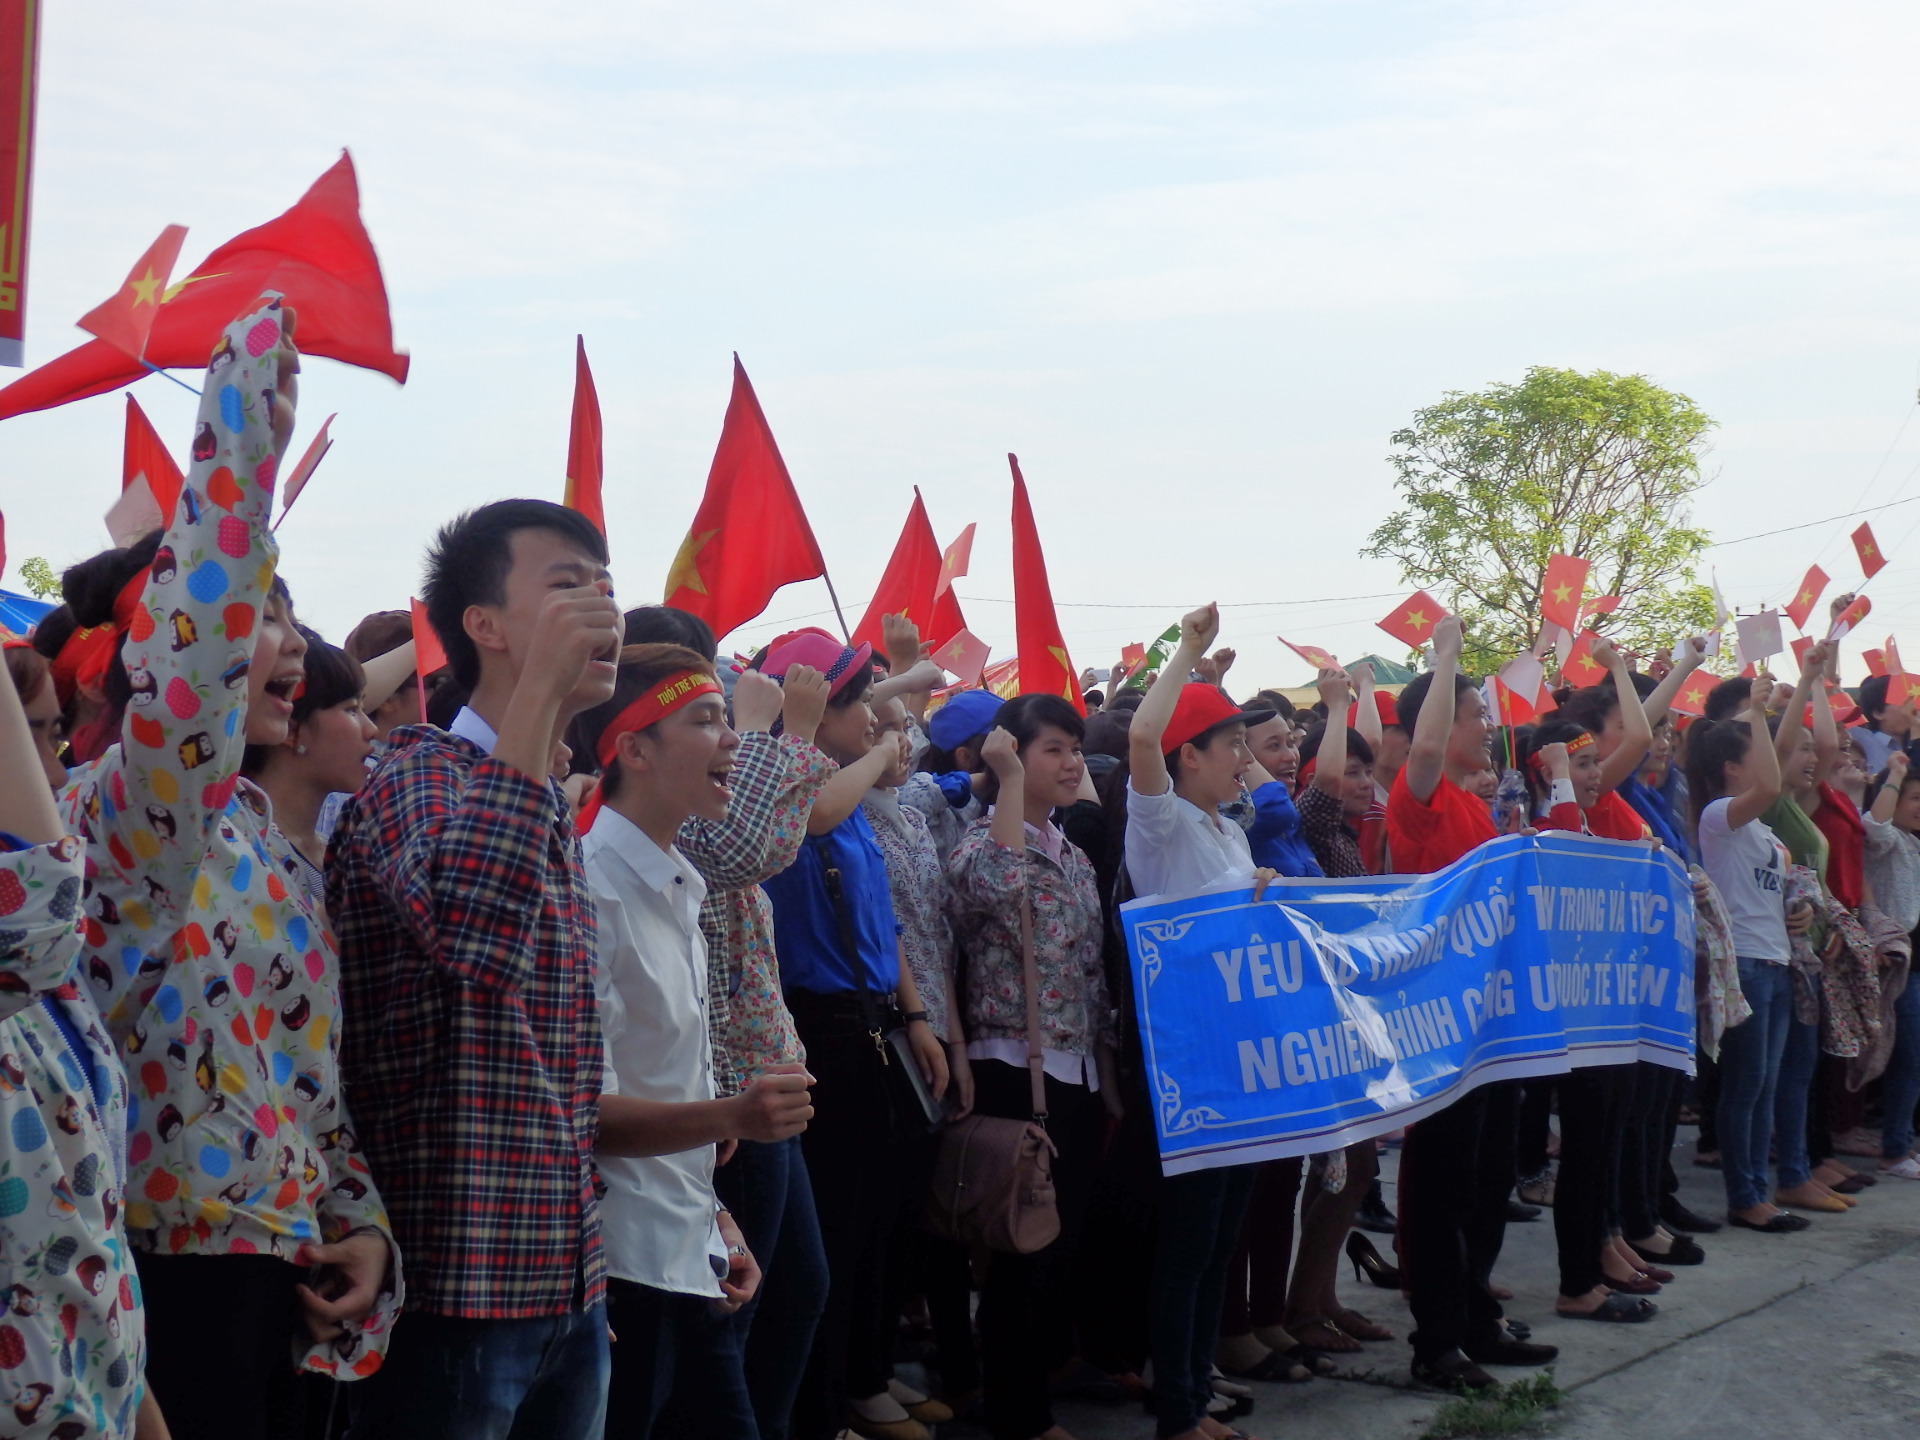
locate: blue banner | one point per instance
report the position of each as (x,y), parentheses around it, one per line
(1337,1010)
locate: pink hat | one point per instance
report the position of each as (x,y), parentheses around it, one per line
(820,650)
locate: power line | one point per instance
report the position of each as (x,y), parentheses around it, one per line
(1810,524)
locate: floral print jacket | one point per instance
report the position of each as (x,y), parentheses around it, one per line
(984,885)
(72,1338)
(215,980)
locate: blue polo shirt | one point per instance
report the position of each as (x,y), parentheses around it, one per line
(806,931)
(1276,837)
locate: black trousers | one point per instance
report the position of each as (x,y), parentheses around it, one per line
(1644,1147)
(1591,1114)
(220,1344)
(856,1170)
(1456,1170)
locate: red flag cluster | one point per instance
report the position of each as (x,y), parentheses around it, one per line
(912,585)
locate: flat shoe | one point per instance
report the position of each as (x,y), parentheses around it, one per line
(1820,1204)
(1452,1371)
(1617,1309)
(1853,1184)
(1684,1250)
(1678,1217)
(1782,1224)
(1641,1284)
(1508,1351)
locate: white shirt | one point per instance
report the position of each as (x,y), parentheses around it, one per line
(469,726)
(1175,848)
(657,1219)
(1750,867)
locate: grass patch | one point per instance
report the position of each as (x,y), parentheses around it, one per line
(1517,1409)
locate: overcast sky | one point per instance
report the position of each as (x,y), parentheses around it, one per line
(1193,261)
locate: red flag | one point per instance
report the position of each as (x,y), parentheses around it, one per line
(19,86)
(749,536)
(428,653)
(316,451)
(1901,687)
(584,459)
(1312,654)
(1561,588)
(318,254)
(1002,677)
(149,482)
(907,587)
(1600,605)
(1799,648)
(1876,661)
(1044,663)
(1872,562)
(1811,588)
(125,320)
(954,561)
(1692,696)
(1893,658)
(964,656)
(1413,619)
(1581,668)
(1850,617)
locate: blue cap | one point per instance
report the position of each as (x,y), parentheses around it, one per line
(964,716)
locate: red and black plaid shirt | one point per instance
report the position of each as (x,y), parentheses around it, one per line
(470,1037)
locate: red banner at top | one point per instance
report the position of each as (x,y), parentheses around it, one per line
(19,74)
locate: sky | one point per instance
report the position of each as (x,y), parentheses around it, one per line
(1194,262)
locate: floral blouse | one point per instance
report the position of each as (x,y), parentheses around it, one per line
(215,980)
(72,1336)
(919,884)
(984,882)
(774,782)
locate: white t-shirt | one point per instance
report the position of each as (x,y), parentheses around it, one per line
(1175,848)
(1749,864)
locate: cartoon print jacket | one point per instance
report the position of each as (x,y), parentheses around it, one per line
(215,980)
(72,1341)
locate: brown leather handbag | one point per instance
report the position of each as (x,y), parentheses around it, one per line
(993,1178)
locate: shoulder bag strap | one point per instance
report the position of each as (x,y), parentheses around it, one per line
(1036,1061)
(837,893)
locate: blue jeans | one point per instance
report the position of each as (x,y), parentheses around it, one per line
(1750,1056)
(1198,1231)
(452,1379)
(674,1348)
(1901,1090)
(766,1187)
(1797,1065)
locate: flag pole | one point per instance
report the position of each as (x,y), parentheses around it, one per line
(165,376)
(838,614)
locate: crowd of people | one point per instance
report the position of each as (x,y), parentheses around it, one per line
(561,1044)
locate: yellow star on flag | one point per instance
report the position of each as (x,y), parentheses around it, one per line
(685,573)
(146,288)
(1562,593)
(1417,619)
(179,285)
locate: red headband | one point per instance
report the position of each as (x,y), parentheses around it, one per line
(1574,746)
(88,653)
(676,692)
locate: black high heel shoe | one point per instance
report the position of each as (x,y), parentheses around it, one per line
(1367,1264)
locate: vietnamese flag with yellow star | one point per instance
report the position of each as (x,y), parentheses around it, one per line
(750,535)
(1581,668)
(125,321)
(1691,698)
(910,586)
(1800,608)
(1562,588)
(1045,666)
(318,254)
(1872,562)
(1413,619)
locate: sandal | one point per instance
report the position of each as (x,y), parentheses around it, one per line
(1352,1322)
(1326,1337)
(1316,1362)
(1538,1189)
(1617,1309)
(1275,1369)
(1907,1168)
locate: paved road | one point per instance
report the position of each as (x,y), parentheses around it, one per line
(1797,1337)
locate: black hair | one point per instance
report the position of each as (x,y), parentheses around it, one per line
(1872,700)
(1712,745)
(1127,700)
(1357,745)
(469,560)
(856,688)
(664,625)
(1025,716)
(56,627)
(1729,698)
(1415,696)
(642,667)
(1273,700)
(1094,700)
(332,677)
(1590,707)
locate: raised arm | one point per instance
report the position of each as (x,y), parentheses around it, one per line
(39,935)
(1148,764)
(1888,798)
(1762,767)
(1793,717)
(1330,765)
(1366,709)
(1687,658)
(1826,735)
(150,803)
(1636,734)
(774,782)
(1427,756)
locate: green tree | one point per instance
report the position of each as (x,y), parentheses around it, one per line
(1597,465)
(37,575)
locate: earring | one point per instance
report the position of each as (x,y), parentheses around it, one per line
(299,749)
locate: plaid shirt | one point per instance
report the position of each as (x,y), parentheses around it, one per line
(470,1037)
